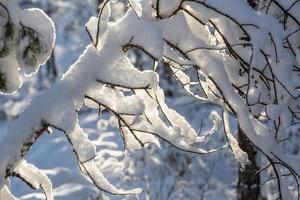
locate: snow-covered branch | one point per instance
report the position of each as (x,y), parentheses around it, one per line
(246,62)
(101,75)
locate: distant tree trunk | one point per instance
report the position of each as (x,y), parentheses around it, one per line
(49,75)
(52,72)
(253,3)
(51,67)
(248,181)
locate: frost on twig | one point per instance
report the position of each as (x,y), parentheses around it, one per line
(26,172)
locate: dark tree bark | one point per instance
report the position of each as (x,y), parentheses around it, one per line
(248,181)
(52,72)
(49,74)
(51,68)
(253,3)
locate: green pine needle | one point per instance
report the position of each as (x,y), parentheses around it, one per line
(7,38)
(3,87)
(34,47)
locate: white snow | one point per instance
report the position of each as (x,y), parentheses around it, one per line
(245,65)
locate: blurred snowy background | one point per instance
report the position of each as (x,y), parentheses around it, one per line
(163,173)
